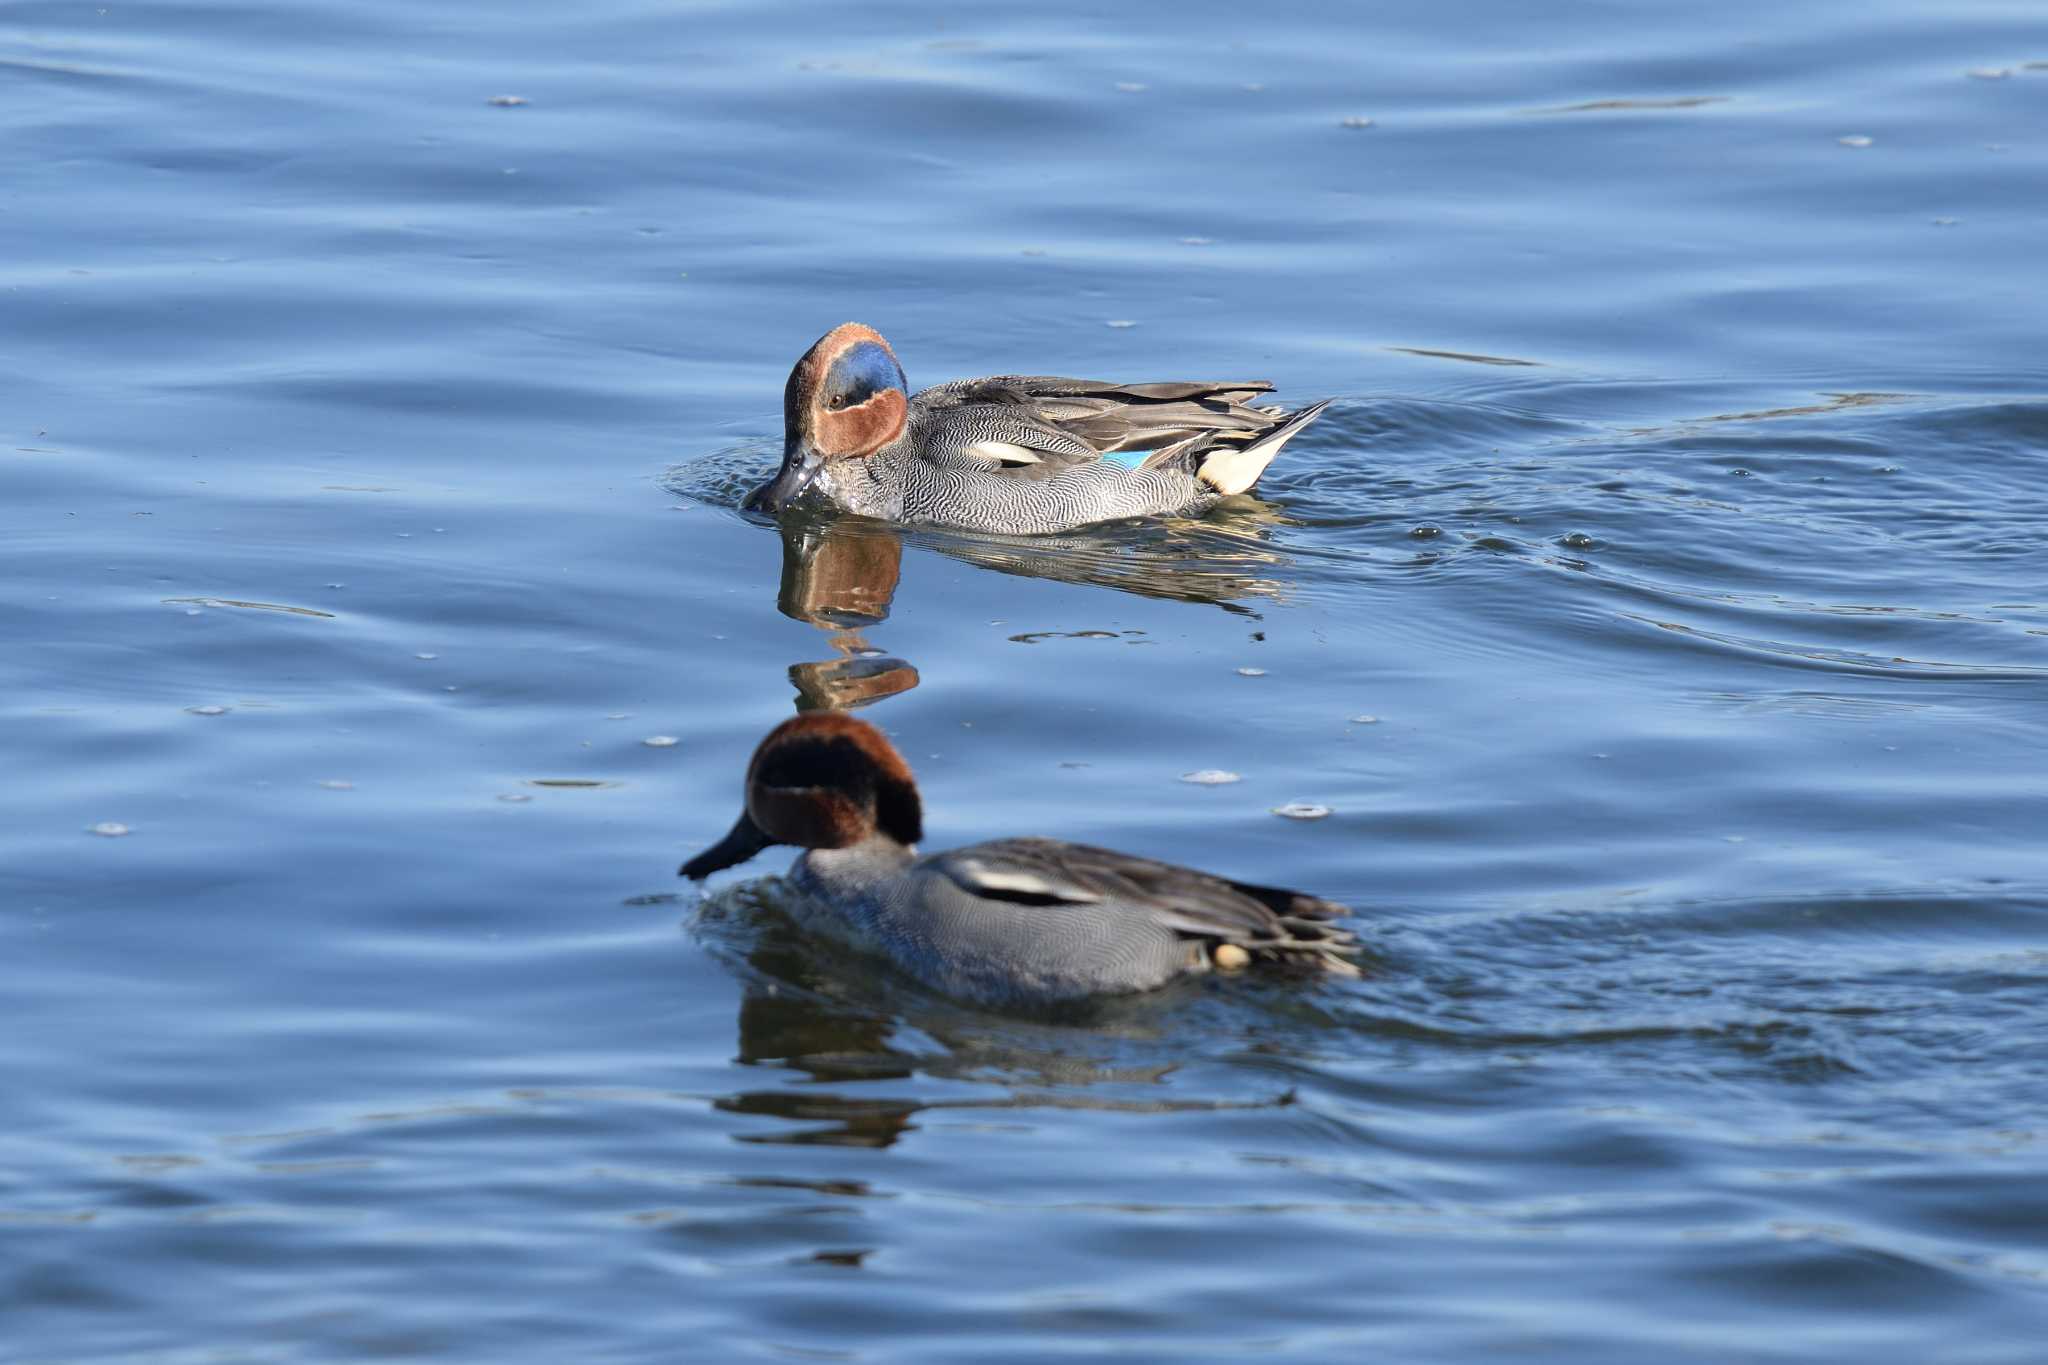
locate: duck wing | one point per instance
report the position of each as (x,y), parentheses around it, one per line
(1034,425)
(1269,922)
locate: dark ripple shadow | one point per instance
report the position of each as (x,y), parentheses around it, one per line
(1708,521)
(1843,660)
(1732,987)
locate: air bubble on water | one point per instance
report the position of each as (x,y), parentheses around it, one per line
(1855,140)
(514,798)
(1130,87)
(619,715)
(1365,720)
(108,829)
(1211,777)
(1990,73)
(336,784)
(426,656)
(1121,323)
(207,710)
(1426,531)
(661,741)
(1251,672)
(1355,122)
(1198,241)
(1578,540)
(507,101)
(1301,810)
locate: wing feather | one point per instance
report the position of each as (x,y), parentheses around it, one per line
(1033,426)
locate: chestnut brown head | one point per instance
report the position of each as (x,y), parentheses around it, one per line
(820,780)
(845,400)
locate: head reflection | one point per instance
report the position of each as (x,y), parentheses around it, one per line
(840,575)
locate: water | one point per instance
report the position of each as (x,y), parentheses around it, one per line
(370,469)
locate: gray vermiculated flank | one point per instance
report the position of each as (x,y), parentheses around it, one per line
(1024,922)
(932,474)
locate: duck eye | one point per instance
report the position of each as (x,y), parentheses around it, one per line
(835,402)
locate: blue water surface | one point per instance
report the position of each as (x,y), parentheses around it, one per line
(1660,611)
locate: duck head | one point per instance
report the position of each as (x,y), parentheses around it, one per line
(821,780)
(845,400)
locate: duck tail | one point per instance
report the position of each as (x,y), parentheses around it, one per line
(1309,947)
(1234,469)
(1304,935)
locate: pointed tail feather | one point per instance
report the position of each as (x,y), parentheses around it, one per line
(1234,469)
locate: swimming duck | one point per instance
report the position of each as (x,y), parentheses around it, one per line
(1009,924)
(1019,454)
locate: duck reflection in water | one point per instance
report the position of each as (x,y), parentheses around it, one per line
(840,575)
(1223,558)
(860,1047)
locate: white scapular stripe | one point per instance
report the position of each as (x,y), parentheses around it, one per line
(1004,451)
(1023,883)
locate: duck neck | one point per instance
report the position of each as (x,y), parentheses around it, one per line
(841,871)
(871,486)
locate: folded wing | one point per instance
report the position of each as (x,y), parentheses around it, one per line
(1034,426)
(1269,922)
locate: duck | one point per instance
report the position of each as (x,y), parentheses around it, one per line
(1020,924)
(1014,454)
